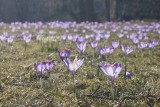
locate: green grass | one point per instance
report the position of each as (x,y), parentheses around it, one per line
(20,86)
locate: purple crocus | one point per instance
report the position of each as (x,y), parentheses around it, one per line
(135,40)
(127,50)
(120,35)
(40,68)
(111,71)
(97,38)
(142,45)
(101,50)
(80,39)
(81,47)
(93,44)
(108,50)
(128,75)
(27,39)
(3,38)
(64,37)
(64,54)
(106,36)
(155,42)
(115,44)
(73,66)
(70,38)
(10,40)
(49,66)
(151,45)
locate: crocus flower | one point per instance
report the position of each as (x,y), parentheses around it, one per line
(140,37)
(128,75)
(49,66)
(81,47)
(155,42)
(120,35)
(151,45)
(101,50)
(111,71)
(3,38)
(115,44)
(27,39)
(126,50)
(70,38)
(97,38)
(64,54)
(64,37)
(135,40)
(80,39)
(106,36)
(73,66)
(40,68)
(94,44)
(10,40)
(108,50)
(142,45)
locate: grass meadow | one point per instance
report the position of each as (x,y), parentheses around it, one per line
(21,86)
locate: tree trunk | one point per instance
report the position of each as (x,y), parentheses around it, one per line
(113,8)
(82,10)
(89,8)
(107,3)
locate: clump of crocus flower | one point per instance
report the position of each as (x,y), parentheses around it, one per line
(40,68)
(111,71)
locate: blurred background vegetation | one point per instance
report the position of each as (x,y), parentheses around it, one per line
(78,10)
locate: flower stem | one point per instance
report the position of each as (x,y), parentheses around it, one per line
(112,78)
(40,79)
(94,53)
(73,78)
(25,46)
(125,66)
(74,88)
